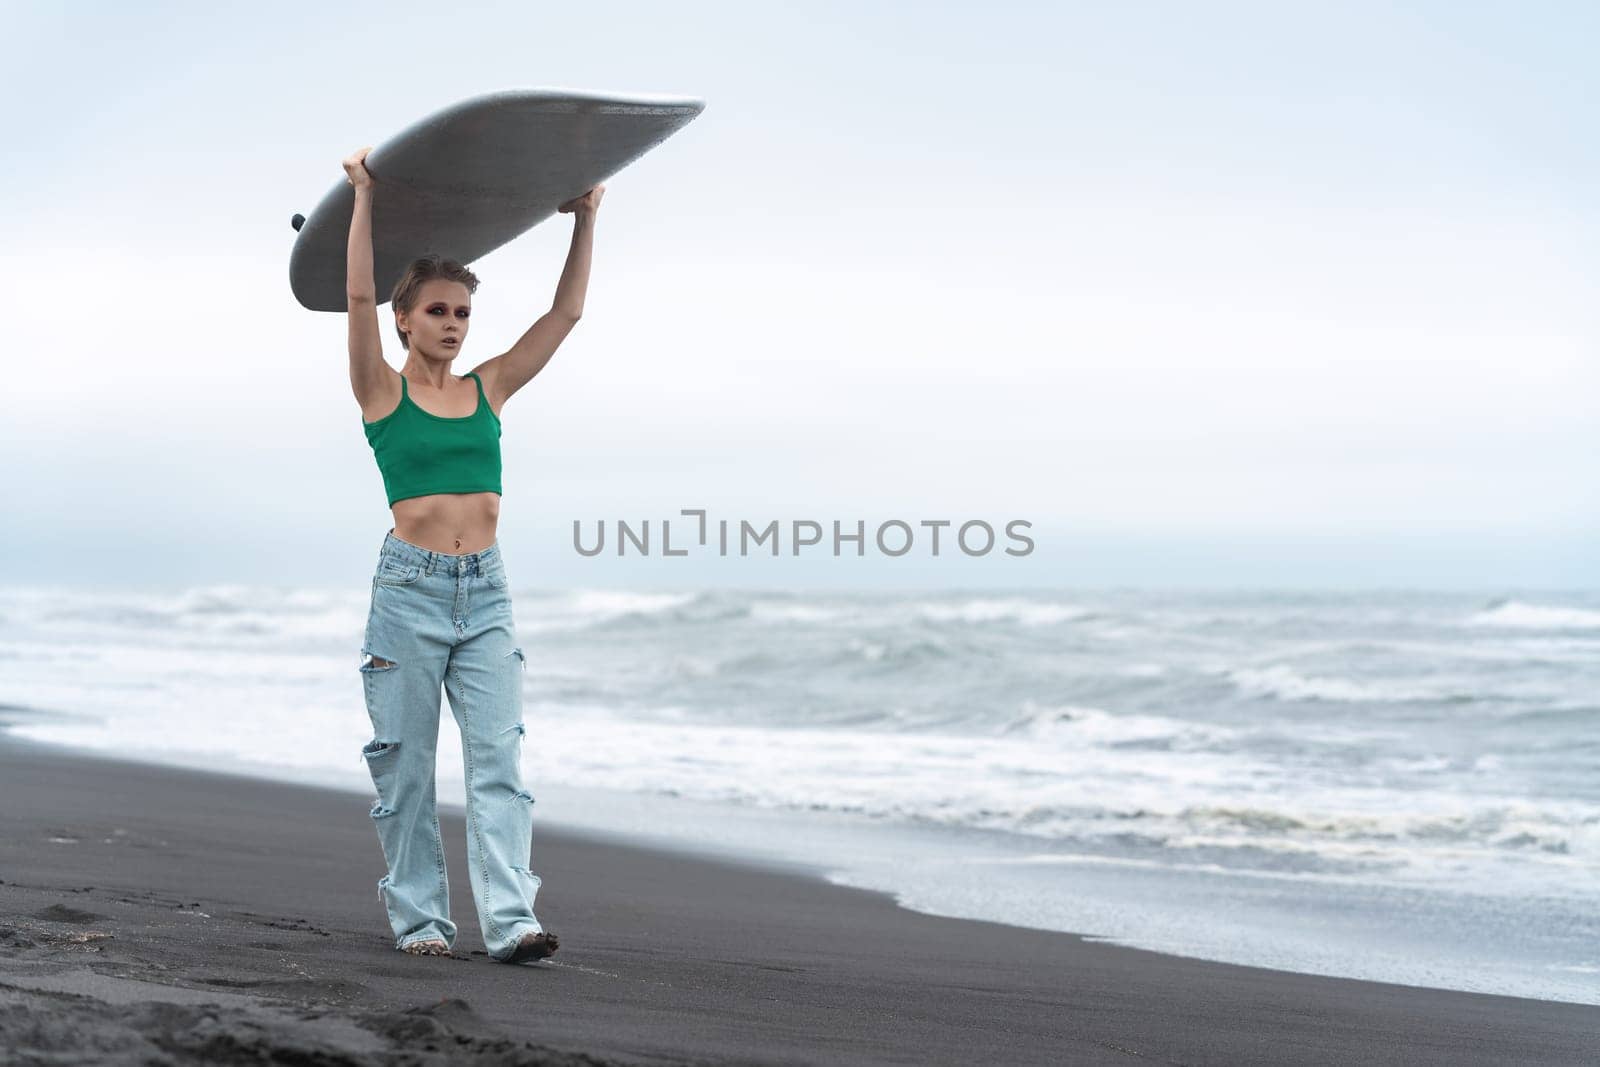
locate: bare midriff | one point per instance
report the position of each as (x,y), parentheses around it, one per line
(453,523)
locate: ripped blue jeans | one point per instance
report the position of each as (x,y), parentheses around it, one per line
(445,620)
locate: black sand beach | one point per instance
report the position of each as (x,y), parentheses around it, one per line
(153,915)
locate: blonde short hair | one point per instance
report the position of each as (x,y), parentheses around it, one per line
(426,269)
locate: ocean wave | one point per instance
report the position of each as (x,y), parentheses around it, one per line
(228,599)
(770,611)
(1252,835)
(266,617)
(1283,683)
(1025,612)
(896,653)
(1579,715)
(599,604)
(592,609)
(1095,726)
(1511,826)
(1518,615)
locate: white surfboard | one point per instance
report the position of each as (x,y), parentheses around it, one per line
(465,180)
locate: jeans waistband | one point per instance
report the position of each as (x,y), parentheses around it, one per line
(431,561)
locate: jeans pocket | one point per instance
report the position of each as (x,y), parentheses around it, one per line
(495,575)
(393,572)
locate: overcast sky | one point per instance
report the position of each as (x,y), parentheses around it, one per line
(1211,294)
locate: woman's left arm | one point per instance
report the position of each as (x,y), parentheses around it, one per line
(506,373)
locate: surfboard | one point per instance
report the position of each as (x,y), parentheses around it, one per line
(470,177)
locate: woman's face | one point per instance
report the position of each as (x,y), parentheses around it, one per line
(439,317)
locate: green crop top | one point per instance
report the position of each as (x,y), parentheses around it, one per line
(420,453)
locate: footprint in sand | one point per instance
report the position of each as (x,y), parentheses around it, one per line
(60,913)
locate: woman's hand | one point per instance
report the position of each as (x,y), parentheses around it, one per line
(355,169)
(587,204)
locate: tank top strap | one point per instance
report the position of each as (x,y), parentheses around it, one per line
(404,392)
(474,376)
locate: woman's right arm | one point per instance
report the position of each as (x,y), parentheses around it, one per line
(369,374)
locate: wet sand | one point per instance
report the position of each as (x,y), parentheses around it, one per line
(156,915)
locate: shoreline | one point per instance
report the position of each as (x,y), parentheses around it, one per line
(1415,936)
(666,955)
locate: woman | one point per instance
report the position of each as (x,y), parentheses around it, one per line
(441,610)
